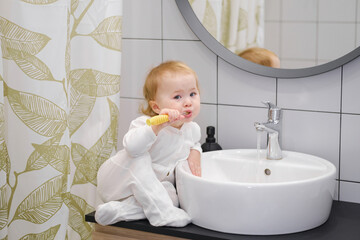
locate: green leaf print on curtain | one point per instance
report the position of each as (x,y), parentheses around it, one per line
(95,83)
(78,207)
(88,161)
(42,203)
(15,37)
(3,207)
(31,65)
(59,112)
(46,235)
(41,115)
(108,33)
(87,84)
(56,156)
(39,2)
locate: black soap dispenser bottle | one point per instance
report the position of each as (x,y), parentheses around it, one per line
(210,144)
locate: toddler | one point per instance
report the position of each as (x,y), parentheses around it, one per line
(138,182)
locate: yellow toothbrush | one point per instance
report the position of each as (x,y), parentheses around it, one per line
(159,119)
(156,120)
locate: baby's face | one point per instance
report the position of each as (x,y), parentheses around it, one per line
(179,92)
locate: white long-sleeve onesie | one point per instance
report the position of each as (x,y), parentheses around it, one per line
(142,169)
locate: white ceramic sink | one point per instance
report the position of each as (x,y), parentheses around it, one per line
(242,192)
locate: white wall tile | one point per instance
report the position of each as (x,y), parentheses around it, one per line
(236,127)
(174,25)
(332,43)
(272,10)
(207,117)
(357,43)
(291,64)
(350,192)
(313,133)
(272,37)
(129,110)
(358,11)
(350,148)
(242,88)
(200,59)
(335,10)
(351,87)
(298,40)
(310,94)
(142,19)
(140,56)
(294,10)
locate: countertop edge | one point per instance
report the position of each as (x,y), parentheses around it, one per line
(344,220)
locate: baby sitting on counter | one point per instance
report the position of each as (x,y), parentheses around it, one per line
(138,182)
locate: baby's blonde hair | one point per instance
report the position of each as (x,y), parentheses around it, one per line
(156,75)
(259,55)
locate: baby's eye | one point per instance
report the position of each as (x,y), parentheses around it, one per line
(192,94)
(177,97)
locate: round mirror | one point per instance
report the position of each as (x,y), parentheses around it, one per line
(305,45)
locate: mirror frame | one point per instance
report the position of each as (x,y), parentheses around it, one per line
(210,42)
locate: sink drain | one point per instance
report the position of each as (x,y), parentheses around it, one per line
(267,171)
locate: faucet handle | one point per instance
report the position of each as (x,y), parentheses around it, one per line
(270,105)
(273,112)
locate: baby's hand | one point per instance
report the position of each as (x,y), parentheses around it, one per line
(194,161)
(173,114)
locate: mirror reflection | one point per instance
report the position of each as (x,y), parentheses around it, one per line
(301,34)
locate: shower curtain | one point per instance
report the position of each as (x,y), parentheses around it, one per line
(59,101)
(236,24)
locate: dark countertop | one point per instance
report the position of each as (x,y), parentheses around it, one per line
(343,223)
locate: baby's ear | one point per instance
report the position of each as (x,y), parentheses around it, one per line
(154,106)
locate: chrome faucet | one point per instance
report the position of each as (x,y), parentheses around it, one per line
(273,129)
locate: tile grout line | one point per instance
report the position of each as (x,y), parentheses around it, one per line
(356,22)
(162,30)
(340,129)
(217,98)
(317,33)
(348,181)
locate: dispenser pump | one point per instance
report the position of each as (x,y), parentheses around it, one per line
(210,144)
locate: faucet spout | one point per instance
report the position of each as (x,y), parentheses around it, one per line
(273,150)
(262,127)
(273,128)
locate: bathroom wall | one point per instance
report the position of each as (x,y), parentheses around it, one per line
(321,114)
(314,27)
